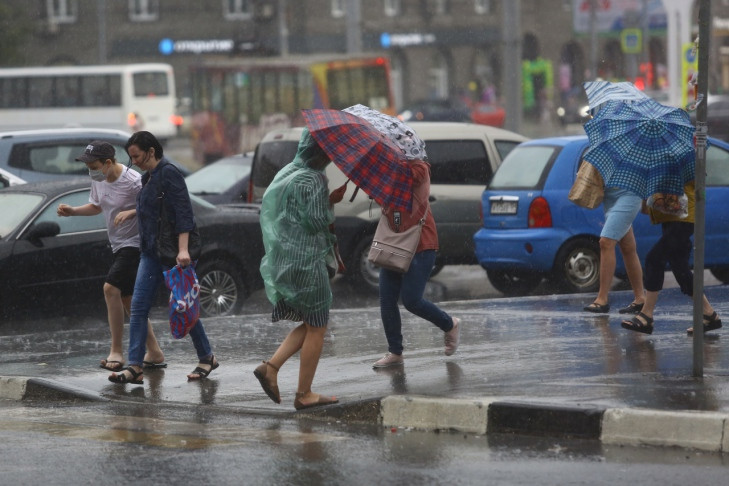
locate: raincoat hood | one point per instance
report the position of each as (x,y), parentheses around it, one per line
(308,151)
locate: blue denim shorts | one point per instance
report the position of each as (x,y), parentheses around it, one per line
(621,208)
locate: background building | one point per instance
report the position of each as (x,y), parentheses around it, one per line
(437,48)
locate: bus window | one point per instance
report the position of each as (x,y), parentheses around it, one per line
(150,84)
(40,93)
(101,91)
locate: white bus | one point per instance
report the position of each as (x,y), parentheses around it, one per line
(128,97)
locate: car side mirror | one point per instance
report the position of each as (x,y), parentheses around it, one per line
(43,229)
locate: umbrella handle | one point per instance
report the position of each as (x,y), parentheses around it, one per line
(354,194)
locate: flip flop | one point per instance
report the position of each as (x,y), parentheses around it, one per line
(150,365)
(111,365)
(298,405)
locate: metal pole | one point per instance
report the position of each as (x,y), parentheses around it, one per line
(700,186)
(511,82)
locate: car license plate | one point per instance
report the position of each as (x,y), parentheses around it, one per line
(503,207)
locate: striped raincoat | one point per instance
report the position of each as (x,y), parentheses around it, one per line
(295,219)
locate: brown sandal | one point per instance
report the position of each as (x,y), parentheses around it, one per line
(298,405)
(271,389)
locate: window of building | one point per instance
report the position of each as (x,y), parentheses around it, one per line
(62,11)
(482,6)
(237,9)
(143,10)
(392,8)
(338,8)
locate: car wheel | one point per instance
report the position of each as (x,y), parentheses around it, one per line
(513,283)
(360,270)
(221,288)
(577,267)
(721,274)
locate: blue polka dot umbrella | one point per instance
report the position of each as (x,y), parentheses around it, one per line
(642,146)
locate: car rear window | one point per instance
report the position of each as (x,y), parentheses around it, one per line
(458,162)
(269,159)
(523,168)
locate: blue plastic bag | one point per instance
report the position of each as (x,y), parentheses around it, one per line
(184,304)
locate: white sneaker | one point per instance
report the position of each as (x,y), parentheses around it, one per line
(453,337)
(389,359)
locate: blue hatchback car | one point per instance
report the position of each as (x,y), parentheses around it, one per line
(531,231)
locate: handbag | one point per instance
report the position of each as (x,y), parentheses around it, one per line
(184,302)
(588,188)
(167,239)
(394,250)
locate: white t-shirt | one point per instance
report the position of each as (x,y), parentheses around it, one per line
(114,197)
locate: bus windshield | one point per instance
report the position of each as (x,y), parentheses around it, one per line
(234,104)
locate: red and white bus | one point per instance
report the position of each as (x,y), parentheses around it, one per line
(235,103)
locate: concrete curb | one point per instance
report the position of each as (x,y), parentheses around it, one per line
(27,389)
(708,431)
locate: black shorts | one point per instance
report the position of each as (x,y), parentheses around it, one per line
(123,271)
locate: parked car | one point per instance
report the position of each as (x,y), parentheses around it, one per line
(224,181)
(717,116)
(444,110)
(574,107)
(531,231)
(7,179)
(462,156)
(488,114)
(46,260)
(50,154)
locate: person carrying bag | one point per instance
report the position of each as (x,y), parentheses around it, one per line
(395,240)
(408,284)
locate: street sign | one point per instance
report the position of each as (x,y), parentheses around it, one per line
(631,41)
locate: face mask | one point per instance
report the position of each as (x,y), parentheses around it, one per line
(97,175)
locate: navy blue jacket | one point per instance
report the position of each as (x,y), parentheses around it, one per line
(166,183)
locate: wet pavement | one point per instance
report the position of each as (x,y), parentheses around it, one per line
(540,348)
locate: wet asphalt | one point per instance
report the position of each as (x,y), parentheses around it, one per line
(541,348)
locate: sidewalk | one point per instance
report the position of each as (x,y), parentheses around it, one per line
(534,365)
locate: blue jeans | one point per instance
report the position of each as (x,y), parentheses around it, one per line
(149,278)
(409,287)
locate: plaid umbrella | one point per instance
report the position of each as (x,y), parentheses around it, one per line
(404,137)
(598,92)
(368,157)
(643,146)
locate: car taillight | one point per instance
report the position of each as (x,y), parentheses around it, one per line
(539,214)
